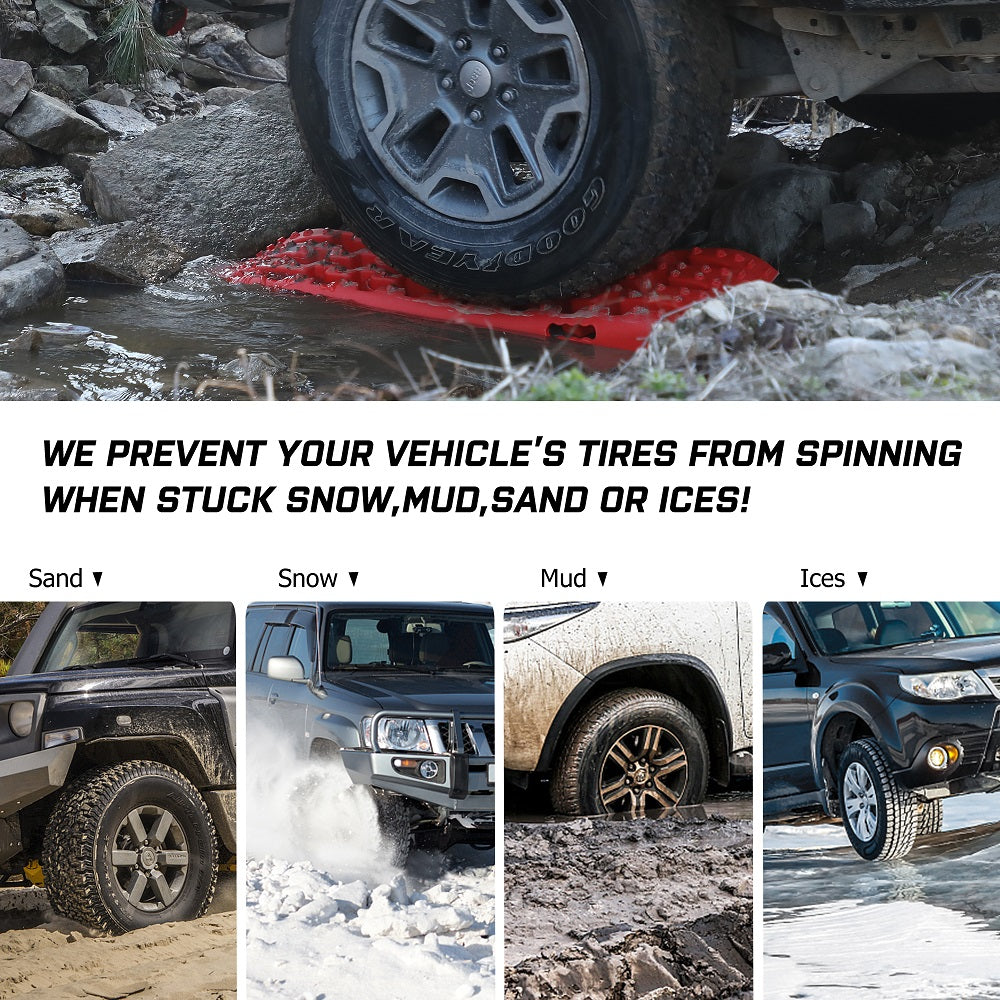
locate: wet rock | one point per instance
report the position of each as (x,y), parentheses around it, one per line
(900,235)
(874,182)
(252,367)
(29,275)
(67,81)
(44,220)
(19,35)
(16,81)
(227,184)
(768,213)
(219,54)
(974,204)
(17,388)
(64,25)
(77,164)
(50,124)
(120,123)
(863,274)
(750,153)
(129,253)
(847,224)
(48,335)
(111,93)
(853,363)
(14,153)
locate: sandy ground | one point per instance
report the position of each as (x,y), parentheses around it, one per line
(49,958)
(599,908)
(925,926)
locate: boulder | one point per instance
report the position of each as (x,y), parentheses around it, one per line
(14,153)
(221,96)
(974,204)
(768,213)
(71,81)
(64,26)
(29,276)
(16,81)
(227,184)
(129,253)
(847,224)
(50,124)
(118,122)
(220,55)
(44,220)
(750,153)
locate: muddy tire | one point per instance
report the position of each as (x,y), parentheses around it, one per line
(483,147)
(631,751)
(930,817)
(926,116)
(879,815)
(129,846)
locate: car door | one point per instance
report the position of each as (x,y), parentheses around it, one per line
(790,701)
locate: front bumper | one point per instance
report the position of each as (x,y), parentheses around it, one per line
(31,776)
(974,727)
(464,784)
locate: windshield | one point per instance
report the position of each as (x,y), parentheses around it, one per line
(158,633)
(430,642)
(843,627)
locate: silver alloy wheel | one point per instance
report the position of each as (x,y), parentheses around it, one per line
(150,858)
(860,801)
(645,769)
(477,108)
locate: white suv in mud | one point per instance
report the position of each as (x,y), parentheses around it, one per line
(627,707)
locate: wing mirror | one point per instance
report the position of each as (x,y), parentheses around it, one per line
(286,668)
(777,656)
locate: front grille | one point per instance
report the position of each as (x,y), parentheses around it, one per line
(477,737)
(975,747)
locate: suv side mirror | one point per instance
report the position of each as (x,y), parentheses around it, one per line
(777,656)
(286,668)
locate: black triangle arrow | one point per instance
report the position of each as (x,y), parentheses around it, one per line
(862,576)
(97,577)
(353,574)
(602,575)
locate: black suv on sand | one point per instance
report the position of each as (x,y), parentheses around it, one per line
(874,711)
(117,759)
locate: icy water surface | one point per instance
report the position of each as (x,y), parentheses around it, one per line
(925,926)
(163,341)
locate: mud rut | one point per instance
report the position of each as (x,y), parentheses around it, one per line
(614,911)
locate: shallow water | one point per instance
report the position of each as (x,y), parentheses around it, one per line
(162,342)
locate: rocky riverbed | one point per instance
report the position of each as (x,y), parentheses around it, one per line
(885,243)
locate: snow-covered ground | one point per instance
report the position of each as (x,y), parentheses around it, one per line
(927,926)
(328,918)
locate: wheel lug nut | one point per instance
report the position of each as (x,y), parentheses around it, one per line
(463,43)
(499,51)
(447,82)
(508,95)
(475,115)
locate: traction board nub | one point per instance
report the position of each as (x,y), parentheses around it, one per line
(337,265)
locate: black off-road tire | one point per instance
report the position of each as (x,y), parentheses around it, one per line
(619,720)
(886,826)
(930,817)
(659,96)
(925,116)
(82,882)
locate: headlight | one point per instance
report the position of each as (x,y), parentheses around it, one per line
(21,717)
(403,734)
(519,623)
(944,687)
(366,731)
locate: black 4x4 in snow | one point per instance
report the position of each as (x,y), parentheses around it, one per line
(403,694)
(117,758)
(874,711)
(534,149)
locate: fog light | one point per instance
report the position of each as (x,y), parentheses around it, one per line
(943,756)
(429,769)
(21,717)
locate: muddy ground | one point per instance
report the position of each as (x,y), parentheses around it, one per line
(51,958)
(598,908)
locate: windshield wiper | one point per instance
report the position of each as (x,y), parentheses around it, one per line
(141,661)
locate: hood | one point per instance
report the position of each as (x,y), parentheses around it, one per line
(417,691)
(939,655)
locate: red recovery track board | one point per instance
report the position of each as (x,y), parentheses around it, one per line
(337,265)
